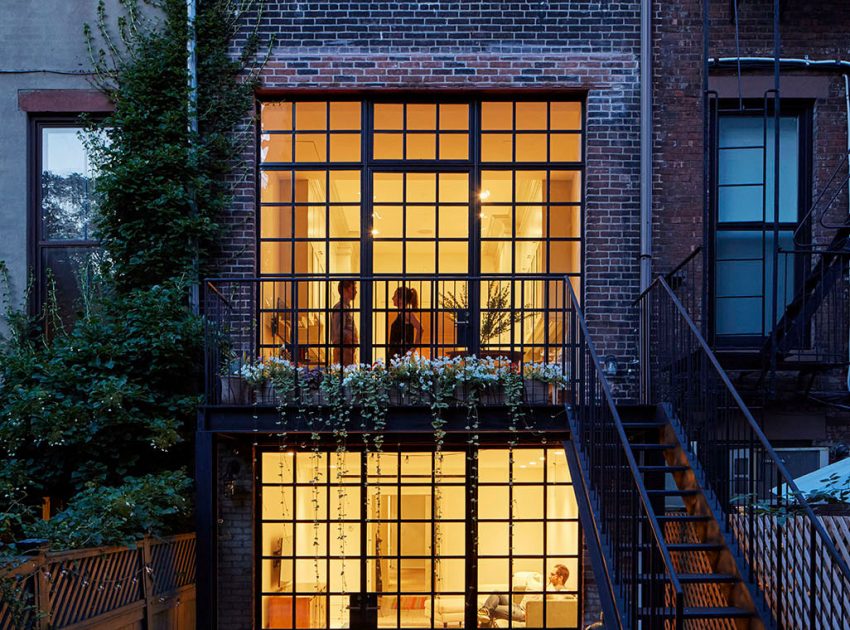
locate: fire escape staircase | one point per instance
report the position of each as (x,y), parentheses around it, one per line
(677,538)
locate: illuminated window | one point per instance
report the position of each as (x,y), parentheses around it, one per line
(398,522)
(438,190)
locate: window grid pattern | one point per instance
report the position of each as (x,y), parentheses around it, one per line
(397,524)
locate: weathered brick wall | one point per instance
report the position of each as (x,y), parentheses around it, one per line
(817,31)
(235,538)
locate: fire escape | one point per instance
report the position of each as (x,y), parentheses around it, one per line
(692,518)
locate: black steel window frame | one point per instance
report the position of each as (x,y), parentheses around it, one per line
(802,111)
(368,166)
(399,445)
(36,241)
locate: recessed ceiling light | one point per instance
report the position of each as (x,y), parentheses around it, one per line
(484,194)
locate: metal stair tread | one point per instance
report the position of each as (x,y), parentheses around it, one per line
(652,446)
(684,518)
(663,468)
(695,578)
(698,612)
(695,546)
(673,492)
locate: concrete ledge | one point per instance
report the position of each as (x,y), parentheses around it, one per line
(64,101)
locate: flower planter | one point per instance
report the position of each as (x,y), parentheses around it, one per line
(493,396)
(537,392)
(265,395)
(234,390)
(310,396)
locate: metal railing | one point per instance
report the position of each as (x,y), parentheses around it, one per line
(320,322)
(787,551)
(813,328)
(624,513)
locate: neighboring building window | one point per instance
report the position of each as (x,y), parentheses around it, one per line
(430,193)
(66,245)
(744,224)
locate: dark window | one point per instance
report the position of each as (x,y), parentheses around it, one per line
(66,247)
(745,253)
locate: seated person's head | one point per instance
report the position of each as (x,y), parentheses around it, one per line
(559,575)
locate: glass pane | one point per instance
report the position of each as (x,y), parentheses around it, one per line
(388,188)
(564,221)
(421,116)
(388,146)
(387,257)
(564,186)
(345,221)
(527,539)
(565,115)
(497,115)
(421,146)
(556,467)
(496,187)
(454,187)
(311,116)
(493,538)
(562,539)
(564,257)
(277,467)
(276,116)
(421,221)
(276,147)
(421,257)
(496,257)
(454,116)
(275,186)
(530,115)
(454,222)
(275,257)
(454,257)
(311,147)
(496,147)
(740,166)
(454,146)
(530,186)
(345,186)
(344,257)
(345,116)
(493,502)
(565,147)
(311,187)
(531,147)
(387,221)
(493,574)
(739,203)
(67,271)
(389,116)
(421,187)
(345,147)
(68,201)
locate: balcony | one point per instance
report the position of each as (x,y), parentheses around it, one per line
(303,331)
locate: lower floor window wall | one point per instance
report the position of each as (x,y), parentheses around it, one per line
(401,538)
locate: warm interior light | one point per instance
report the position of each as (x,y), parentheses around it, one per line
(375,232)
(484,194)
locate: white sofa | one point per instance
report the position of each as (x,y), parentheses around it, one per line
(561,610)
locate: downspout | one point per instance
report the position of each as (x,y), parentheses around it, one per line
(645,183)
(847,110)
(192,73)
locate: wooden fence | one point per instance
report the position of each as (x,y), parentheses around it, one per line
(149,587)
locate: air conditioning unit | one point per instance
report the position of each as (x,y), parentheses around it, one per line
(798,461)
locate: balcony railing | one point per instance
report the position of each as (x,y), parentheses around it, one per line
(317,323)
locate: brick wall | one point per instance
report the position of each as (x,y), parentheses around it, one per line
(235,538)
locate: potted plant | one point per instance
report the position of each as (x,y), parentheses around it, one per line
(543,381)
(256,375)
(283,377)
(309,386)
(411,380)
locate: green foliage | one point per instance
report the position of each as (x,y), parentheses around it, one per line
(162,185)
(98,516)
(106,399)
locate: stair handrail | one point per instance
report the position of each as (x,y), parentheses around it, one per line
(646,505)
(802,506)
(811,211)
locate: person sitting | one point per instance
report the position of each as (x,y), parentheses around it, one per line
(499,606)
(343,329)
(406,330)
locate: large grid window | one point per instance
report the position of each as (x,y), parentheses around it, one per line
(396,527)
(440,190)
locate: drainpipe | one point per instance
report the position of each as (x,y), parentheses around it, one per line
(645,178)
(192,72)
(847,109)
